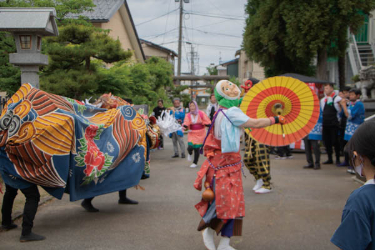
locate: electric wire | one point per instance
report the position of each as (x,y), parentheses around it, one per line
(166,21)
(139,24)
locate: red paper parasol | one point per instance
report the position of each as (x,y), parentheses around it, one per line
(284,96)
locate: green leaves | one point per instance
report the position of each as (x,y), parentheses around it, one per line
(285,35)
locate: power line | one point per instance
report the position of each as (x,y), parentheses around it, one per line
(216,7)
(166,22)
(155,36)
(215,16)
(212,23)
(156,17)
(214,33)
(208,45)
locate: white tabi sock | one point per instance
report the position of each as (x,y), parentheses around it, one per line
(224,244)
(208,238)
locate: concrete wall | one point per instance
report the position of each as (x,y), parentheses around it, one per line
(248,68)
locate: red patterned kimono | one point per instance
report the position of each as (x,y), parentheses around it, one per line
(229,195)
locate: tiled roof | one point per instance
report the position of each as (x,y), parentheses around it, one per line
(103,11)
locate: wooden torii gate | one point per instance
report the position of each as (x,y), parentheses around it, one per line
(210,80)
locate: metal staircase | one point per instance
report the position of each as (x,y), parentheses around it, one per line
(366,54)
(360,54)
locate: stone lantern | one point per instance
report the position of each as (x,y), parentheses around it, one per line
(28,26)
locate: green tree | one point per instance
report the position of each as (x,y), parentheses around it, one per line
(72,54)
(10,76)
(63,7)
(286,35)
(143,83)
(212,70)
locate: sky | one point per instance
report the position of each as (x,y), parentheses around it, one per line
(213,27)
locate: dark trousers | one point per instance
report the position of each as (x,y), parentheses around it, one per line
(190,150)
(121,194)
(31,206)
(284,151)
(331,139)
(161,144)
(341,140)
(315,148)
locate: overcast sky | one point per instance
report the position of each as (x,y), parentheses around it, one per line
(211,37)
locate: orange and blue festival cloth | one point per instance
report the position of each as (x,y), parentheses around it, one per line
(66,146)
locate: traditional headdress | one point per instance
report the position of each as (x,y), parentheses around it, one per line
(225,100)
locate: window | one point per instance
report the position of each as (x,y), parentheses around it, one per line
(25,42)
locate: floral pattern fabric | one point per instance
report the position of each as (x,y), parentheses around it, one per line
(229,194)
(67,146)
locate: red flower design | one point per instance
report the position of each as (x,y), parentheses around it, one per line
(90,132)
(93,159)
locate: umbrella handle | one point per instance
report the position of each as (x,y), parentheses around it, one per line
(282,130)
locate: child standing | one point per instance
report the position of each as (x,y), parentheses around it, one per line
(355,114)
(357,229)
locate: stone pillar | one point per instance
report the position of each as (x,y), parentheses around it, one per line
(29,64)
(29,74)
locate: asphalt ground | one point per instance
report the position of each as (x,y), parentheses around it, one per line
(302,211)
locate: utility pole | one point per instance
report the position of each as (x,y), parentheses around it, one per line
(180,37)
(192,91)
(192,60)
(180,42)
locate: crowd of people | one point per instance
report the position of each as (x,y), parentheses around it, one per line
(218,132)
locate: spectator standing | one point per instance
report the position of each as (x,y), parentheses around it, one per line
(312,141)
(157,113)
(283,153)
(344,94)
(212,107)
(330,107)
(177,137)
(355,114)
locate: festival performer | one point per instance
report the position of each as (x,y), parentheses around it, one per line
(357,228)
(257,160)
(31,206)
(223,209)
(67,146)
(195,123)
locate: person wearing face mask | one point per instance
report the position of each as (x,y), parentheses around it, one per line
(357,228)
(223,208)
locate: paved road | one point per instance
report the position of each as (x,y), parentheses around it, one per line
(302,212)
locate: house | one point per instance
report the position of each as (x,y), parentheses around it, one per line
(151,49)
(114,15)
(248,68)
(242,68)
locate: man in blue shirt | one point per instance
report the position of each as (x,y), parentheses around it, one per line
(177,137)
